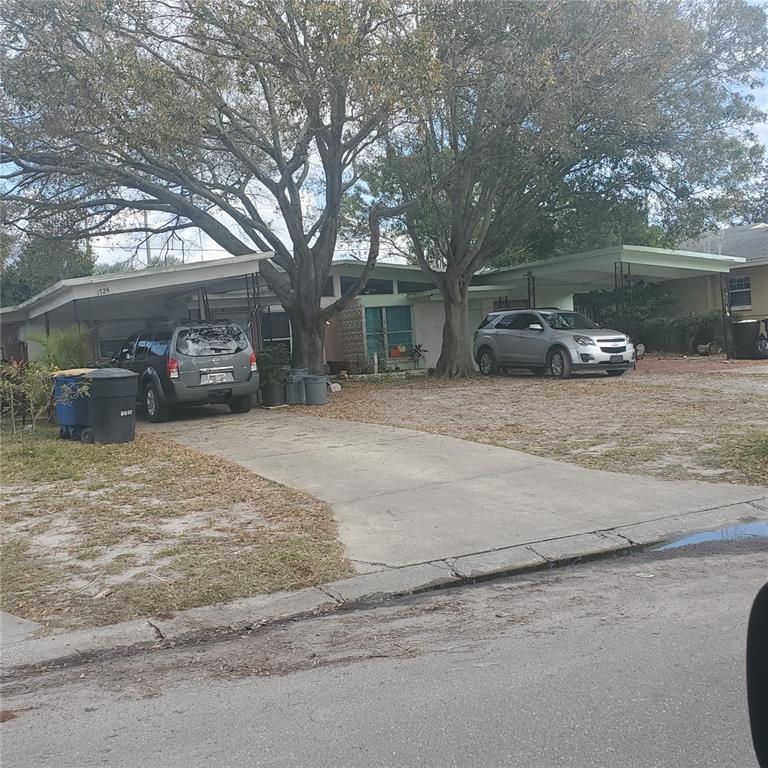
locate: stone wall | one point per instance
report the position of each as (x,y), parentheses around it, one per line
(345,339)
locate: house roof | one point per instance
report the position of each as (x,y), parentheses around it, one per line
(157,280)
(749,242)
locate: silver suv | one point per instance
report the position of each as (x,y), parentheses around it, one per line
(558,340)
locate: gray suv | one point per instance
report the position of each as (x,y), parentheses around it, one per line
(191,364)
(558,340)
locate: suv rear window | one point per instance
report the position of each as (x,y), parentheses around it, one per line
(211,340)
(487,321)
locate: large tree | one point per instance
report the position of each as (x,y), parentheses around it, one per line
(33,262)
(534,104)
(227,116)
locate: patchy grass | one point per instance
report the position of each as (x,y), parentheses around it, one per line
(95,534)
(690,425)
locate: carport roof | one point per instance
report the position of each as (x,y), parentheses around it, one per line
(591,270)
(168,281)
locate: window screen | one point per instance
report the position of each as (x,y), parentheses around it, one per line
(275,325)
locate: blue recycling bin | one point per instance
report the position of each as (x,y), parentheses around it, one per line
(72,413)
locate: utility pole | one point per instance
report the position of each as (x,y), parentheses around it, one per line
(146,242)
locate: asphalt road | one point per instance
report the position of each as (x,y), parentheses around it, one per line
(636,661)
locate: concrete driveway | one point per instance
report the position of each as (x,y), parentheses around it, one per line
(401,497)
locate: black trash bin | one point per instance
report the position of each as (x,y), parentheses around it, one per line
(745,335)
(112,406)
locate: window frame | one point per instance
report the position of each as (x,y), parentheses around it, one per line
(740,284)
(385,333)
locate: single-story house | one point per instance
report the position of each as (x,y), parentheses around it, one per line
(747,283)
(398,309)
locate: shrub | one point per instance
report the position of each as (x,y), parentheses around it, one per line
(681,333)
(65,348)
(26,391)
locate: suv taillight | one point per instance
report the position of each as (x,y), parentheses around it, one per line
(173,368)
(253,362)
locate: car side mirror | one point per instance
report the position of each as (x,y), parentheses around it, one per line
(535,327)
(757,675)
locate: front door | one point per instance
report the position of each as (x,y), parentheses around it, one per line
(528,344)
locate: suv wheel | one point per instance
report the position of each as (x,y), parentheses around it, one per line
(240,404)
(560,363)
(156,409)
(486,362)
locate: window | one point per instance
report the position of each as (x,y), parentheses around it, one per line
(523,320)
(568,321)
(740,292)
(108,348)
(158,346)
(126,352)
(142,346)
(389,331)
(487,321)
(328,287)
(275,325)
(372,287)
(406,286)
(506,322)
(211,340)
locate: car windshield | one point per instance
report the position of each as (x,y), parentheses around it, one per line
(211,340)
(568,321)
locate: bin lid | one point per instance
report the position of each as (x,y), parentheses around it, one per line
(74,372)
(110,373)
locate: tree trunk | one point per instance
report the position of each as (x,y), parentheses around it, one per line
(308,342)
(456,353)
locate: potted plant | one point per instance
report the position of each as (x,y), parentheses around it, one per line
(272,364)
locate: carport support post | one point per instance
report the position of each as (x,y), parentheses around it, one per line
(531,290)
(726,312)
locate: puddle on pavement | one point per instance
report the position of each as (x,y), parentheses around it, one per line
(756,530)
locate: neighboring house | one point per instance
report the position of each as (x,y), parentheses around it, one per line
(398,309)
(745,287)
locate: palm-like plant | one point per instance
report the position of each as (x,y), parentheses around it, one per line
(65,348)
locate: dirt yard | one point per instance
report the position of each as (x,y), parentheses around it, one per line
(682,422)
(97,534)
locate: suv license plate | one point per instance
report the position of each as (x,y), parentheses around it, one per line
(217,378)
(617,359)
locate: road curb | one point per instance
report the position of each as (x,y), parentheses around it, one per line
(364,590)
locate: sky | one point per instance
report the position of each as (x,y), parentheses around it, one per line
(193,245)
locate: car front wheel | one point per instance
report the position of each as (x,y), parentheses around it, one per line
(560,364)
(487,362)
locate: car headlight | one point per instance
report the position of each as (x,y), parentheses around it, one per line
(584,341)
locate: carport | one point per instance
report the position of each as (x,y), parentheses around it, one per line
(115,305)
(563,282)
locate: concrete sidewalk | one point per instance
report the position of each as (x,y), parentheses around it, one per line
(402,497)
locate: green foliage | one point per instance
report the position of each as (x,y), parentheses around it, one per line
(610,308)
(26,391)
(270,361)
(39,262)
(65,348)
(681,333)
